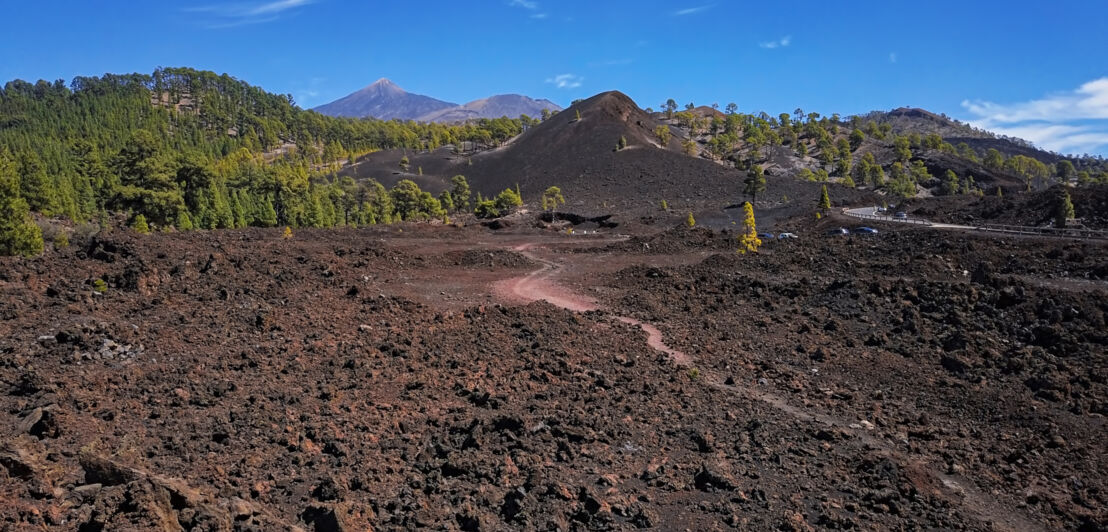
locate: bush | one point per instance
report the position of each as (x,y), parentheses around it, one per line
(486,209)
(61,240)
(99,286)
(139,225)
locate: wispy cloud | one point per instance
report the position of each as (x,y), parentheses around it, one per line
(693,10)
(892,57)
(566,81)
(1073,121)
(779,43)
(540,16)
(525,4)
(240,14)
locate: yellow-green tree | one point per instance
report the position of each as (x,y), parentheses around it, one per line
(663,134)
(824,199)
(690,221)
(551,198)
(748,240)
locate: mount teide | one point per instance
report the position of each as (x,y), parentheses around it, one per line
(386,101)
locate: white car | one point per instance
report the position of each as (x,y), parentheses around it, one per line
(784,236)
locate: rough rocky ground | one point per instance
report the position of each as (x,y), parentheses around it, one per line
(375,379)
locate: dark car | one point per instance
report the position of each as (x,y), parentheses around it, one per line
(765,236)
(839,231)
(901,216)
(865,231)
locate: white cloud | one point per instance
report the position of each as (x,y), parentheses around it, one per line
(1068,122)
(693,10)
(239,14)
(525,4)
(566,81)
(892,57)
(780,43)
(540,16)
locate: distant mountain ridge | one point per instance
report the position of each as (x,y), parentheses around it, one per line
(385,100)
(510,105)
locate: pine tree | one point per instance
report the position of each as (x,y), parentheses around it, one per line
(18,233)
(1063,210)
(36,187)
(139,224)
(950,183)
(824,199)
(748,240)
(755,183)
(690,221)
(184,222)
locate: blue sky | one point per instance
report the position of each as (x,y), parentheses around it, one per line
(1032,68)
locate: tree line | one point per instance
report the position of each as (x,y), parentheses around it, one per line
(192,149)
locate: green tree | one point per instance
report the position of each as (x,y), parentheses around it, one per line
(919,172)
(663,135)
(139,224)
(507,199)
(856,139)
(690,221)
(184,221)
(824,199)
(551,197)
(1065,170)
(755,183)
(994,159)
(622,143)
(669,107)
(902,148)
(35,186)
(1063,209)
(406,198)
(950,183)
(459,192)
(18,233)
(405,163)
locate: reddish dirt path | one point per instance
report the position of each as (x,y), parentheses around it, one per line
(541,285)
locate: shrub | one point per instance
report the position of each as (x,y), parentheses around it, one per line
(61,240)
(287,234)
(99,286)
(139,225)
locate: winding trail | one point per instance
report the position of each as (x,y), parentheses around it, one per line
(541,285)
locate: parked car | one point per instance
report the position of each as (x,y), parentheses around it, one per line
(765,236)
(784,236)
(901,215)
(865,231)
(839,231)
